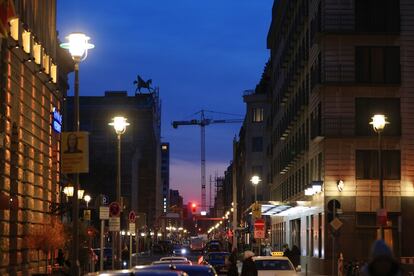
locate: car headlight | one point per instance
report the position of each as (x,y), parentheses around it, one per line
(183,251)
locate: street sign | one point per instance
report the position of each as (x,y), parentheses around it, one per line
(114,224)
(86,214)
(259,229)
(131,217)
(132,227)
(105,199)
(114,209)
(103,212)
(336,224)
(256,210)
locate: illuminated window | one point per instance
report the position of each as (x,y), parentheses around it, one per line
(37,52)
(53,72)
(257,115)
(14,28)
(46,63)
(26,41)
(164,147)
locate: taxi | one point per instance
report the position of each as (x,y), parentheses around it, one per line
(268,265)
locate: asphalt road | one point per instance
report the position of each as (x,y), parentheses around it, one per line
(147,259)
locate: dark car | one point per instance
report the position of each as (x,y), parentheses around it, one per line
(214,246)
(166,245)
(191,270)
(157,249)
(131,272)
(107,254)
(217,260)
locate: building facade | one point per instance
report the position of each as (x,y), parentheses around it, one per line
(334,64)
(250,155)
(141,187)
(33,83)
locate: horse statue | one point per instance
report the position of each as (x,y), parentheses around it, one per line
(140,83)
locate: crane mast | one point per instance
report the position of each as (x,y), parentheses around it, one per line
(203,122)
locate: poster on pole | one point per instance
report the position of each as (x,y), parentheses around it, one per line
(75,152)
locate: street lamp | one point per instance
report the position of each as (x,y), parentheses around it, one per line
(78,46)
(255,181)
(119,123)
(378,123)
(87,199)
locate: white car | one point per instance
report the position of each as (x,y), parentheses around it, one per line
(267,265)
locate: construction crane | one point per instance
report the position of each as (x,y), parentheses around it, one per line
(203,122)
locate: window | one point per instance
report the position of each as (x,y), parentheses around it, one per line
(365,108)
(377,64)
(377,15)
(367,164)
(257,115)
(257,144)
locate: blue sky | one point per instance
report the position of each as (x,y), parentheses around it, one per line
(202,55)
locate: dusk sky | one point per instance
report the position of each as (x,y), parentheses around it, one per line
(202,55)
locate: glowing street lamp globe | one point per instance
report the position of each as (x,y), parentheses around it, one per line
(78,46)
(255,180)
(119,123)
(378,122)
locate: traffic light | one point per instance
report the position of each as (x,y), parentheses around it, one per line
(193,207)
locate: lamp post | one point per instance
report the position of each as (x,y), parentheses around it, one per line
(78,46)
(255,181)
(378,123)
(119,123)
(87,199)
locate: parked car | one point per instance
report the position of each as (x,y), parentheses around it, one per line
(268,265)
(214,246)
(107,254)
(157,249)
(217,260)
(131,272)
(191,270)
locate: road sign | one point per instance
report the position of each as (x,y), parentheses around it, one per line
(132,227)
(103,212)
(104,199)
(131,216)
(259,229)
(114,209)
(87,214)
(114,224)
(336,224)
(256,210)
